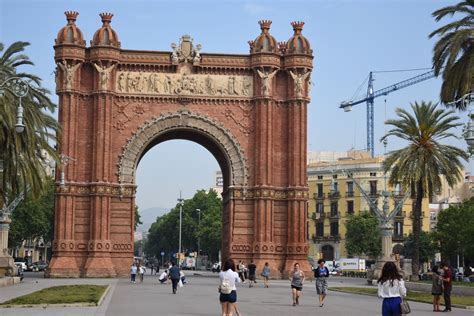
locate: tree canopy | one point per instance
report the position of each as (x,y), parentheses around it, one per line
(363,235)
(22,154)
(164,233)
(455,230)
(453,53)
(427,247)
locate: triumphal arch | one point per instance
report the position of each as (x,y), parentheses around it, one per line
(249,111)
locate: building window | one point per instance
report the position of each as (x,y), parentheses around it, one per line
(373,187)
(319,229)
(334,209)
(398,229)
(334,229)
(334,187)
(432,216)
(334,176)
(320,177)
(350,189)
(373,174)
(350,207)
(320,207)
(320,190)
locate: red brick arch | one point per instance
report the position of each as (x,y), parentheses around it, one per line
(249,111)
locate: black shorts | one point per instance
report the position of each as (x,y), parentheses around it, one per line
(231,297)
(298,288)
(252,277)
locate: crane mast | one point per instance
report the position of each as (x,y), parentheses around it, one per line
(371,95)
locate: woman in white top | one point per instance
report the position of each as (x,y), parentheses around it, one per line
(230,276)
(391,288)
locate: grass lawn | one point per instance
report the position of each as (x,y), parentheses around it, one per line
(456,283)
(65,294)
(412,296)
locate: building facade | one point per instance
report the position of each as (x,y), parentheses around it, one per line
(334,197)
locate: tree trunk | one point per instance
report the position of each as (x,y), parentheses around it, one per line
(417,230)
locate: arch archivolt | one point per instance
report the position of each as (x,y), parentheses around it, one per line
(150,130)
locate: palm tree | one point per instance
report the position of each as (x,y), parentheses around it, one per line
(418,166)
(453,54)
(22,155)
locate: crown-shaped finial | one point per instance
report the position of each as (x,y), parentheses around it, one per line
(265,24)
(297,26)
(106,17)
(71,16)
(251,42)
(282,47)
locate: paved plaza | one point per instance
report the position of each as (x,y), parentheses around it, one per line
(200,297)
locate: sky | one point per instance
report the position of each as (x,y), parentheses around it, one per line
(349,38)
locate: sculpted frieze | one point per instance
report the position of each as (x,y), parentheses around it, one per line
(149,83)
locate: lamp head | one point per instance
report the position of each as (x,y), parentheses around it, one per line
(19,128)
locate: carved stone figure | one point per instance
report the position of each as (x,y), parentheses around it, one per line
(122,82)
(174,54)
(266,81)
(68,73)
(231,85)
(299,80)
(197,55)
(246,85)
(185,51)
(104,75)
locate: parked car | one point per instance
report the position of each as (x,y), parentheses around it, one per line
(216,267)
(21,264)
(38,266)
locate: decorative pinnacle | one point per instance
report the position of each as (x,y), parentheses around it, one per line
(282,47)
(297,26)
(251,42)
(106,17)
(265,24)
(71,16)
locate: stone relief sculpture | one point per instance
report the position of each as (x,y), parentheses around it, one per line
(183,84)
(68,73)
(299,80)
(266,81)
(104,75)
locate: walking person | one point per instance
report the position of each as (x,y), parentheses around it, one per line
(174,275)
(228,292)
(133,273)
(141,272)
(391,288)
(266,274)
(321,273)
(252,271)
(436,288)
(297,280)
(241,268)
(447,286)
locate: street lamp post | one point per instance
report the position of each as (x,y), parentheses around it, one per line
(19,87)
(181,202)
(198,259)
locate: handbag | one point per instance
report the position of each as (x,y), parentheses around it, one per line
(405,307)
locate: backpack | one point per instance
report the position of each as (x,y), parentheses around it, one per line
(225,287)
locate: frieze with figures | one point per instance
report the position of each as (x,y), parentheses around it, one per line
(134,82)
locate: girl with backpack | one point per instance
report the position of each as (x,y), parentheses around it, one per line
(228,292)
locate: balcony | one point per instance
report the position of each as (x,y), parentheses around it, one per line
(398,238)
(401,214)
(335,238)
(374,194)
(334,215)
(318,216)
(334,195)
(318,196)
(350,194)
(422,215)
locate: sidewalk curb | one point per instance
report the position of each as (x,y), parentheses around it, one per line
(468,307)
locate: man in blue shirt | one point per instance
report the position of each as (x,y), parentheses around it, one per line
(174,275)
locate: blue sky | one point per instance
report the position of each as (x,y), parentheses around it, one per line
(349,38)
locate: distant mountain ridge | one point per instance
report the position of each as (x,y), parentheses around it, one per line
(148,216)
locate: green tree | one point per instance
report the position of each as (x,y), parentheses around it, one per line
(455,230)
(363,235)
(164,233)
(418,166)
(453,54)
(33,218)
(21,154)
(137,220)
(427,247)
